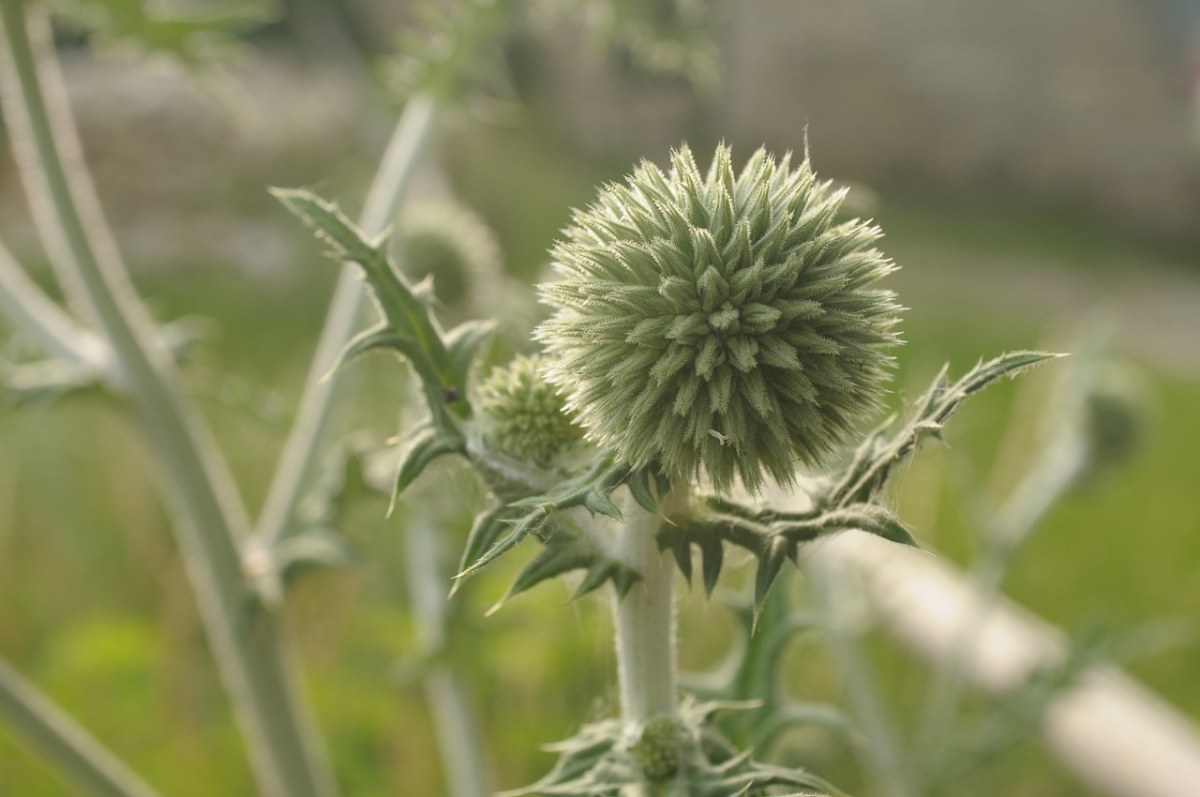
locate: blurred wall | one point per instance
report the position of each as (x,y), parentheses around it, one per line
(1088,104)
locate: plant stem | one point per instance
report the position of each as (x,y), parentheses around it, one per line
(209,518)
(31,312)
(1040,488)
(464,762)
(881,751)
(75,754)
(645,617)
(299,458)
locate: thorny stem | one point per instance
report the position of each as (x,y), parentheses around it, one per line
(299,459)
(209,518)
(76,755)
(645,617)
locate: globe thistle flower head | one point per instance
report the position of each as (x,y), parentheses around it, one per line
(522,414)
(722,325)
(453,244)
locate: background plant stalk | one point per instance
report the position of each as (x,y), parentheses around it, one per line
(209,518)
(645,617)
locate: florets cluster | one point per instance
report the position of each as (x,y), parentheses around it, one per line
(719,324)
(522,414)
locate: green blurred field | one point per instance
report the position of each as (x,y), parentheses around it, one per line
(95,608)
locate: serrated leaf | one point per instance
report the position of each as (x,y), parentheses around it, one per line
(599,503)
(379,337)
(487,527)
(712,553)
(406,314)
(565,552)
(864,478)
(522,527)
(462,346)
(640,484)
(1008,365)
(425,444)
(770,562)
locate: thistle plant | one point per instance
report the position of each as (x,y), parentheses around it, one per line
(710,331)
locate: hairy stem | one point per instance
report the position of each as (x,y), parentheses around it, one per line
(73,752)
(301,450)
(209,518)
(645,617)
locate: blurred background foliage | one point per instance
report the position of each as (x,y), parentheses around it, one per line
(1033,165)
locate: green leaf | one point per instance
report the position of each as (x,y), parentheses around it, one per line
(565,552)
(770,562)
(462,346)
(864,478)
(423,445)
(377,337)
(408,325)
(531,522)
(641,484)
(485,530)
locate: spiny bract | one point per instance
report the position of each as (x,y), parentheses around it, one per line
(719,324)
(522,414)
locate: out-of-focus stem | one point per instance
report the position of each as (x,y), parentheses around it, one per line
(300,457)
(1042,485)
(209,519)
(464,762)
(32,313)
(882,752)
(72,751)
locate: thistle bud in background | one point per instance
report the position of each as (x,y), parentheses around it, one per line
(1115,410)
(721,325)
(451,243)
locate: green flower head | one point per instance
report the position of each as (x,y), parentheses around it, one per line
(453,244)
(721,325)
(522,414)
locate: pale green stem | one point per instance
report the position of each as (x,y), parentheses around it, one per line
(1042,485)
(72,751)
(460,744)
(301,450)
(645,616)
(210,521)
(881,753)
(32,313)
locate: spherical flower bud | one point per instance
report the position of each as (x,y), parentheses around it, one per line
(450,242)
(722,325)
(660,747)
(522,414)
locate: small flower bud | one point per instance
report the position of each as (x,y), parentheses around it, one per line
(455,246)
(659,749)
(522,414)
